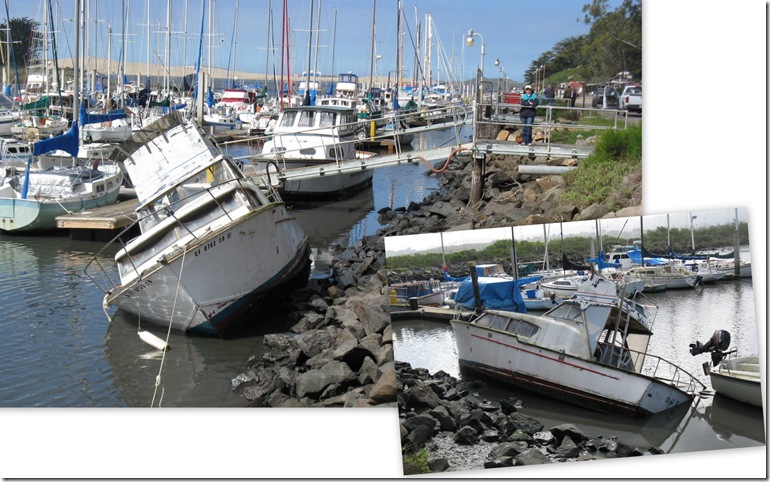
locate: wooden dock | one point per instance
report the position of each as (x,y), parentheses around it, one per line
(427,313)
(112,217)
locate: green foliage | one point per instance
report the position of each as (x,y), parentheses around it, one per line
(612,45)
(617,154)
(577,248)
(21,36)
(416,463)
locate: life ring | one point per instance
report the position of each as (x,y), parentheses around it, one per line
(31,134)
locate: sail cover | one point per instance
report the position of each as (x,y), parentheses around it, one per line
(67,142)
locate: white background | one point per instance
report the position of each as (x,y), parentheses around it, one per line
(705,138)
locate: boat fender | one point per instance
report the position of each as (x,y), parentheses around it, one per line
(153,340)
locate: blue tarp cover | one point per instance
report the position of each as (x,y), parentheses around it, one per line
(636,257)
(496,293)
(91,118)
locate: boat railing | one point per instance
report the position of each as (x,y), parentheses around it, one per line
(137,254)
(665,371)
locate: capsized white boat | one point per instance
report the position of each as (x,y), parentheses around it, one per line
(212,245)
(586,351)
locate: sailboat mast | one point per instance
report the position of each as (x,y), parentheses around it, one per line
(317,43)
(149,38)
(334,44)
(167,83)
(374,32)
(306,100)
(267,49)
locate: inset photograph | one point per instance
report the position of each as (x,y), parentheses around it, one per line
(576,341)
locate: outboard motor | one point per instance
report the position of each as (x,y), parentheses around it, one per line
(717,346)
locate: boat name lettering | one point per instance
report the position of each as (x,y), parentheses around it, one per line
(141,286)
(211,244)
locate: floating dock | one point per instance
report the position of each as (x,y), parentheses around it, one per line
(106,220)
(427,313)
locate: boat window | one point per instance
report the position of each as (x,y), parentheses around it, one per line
(493,320)
(326,119)
(306,118)
(522,328)
(288,119)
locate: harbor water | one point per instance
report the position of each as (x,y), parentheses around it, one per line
(59,350)
(684,316)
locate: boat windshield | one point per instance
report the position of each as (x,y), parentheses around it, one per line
(567,311)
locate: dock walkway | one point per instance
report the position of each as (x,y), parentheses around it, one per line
(114,216)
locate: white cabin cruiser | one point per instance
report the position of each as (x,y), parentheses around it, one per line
(586,351)
(317,136)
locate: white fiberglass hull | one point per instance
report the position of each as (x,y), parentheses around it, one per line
(739,379)
(575,380)
(222,274)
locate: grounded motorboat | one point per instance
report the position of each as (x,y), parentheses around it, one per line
(31,200)
(586,351)
(212,246)
(736,377)
(316,136)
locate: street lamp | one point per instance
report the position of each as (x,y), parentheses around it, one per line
(469,42)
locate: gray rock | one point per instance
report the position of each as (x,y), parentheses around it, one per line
(314,342)
(423,419)
(466,436)
(314,382)
(374,320)
(421,396)
(532,456)
(445,420)
(438,465)
(507,449)
(385,389)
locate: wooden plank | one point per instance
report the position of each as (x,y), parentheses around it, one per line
(114,216)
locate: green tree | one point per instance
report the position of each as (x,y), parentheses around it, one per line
(614,43)
(20,37)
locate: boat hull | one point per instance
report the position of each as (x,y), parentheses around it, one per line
(223,275)
(333,185)
(738,378)
(31,215)
(583,382)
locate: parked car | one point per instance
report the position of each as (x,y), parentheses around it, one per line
(605,91)
(631,98)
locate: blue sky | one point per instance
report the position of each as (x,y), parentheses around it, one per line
(514,31)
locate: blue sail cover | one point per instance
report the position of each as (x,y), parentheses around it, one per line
(636,257)
(90,118)
(68,142)
(600,262)
(496,293)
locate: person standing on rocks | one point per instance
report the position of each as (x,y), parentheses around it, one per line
(527,113)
